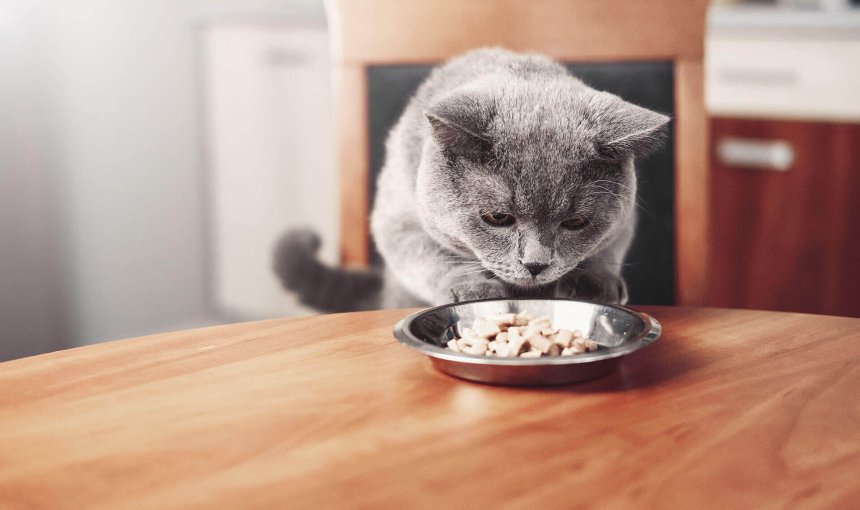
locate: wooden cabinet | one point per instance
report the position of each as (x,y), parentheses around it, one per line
(785,233)
(789,239)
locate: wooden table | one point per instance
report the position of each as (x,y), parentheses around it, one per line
(729,409)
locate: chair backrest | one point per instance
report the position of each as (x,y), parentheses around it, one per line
(648,52)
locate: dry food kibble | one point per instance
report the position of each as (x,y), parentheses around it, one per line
(520,335)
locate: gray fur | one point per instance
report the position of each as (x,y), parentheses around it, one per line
(496,131)
(317,285)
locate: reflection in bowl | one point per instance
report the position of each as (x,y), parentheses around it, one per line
(617,329)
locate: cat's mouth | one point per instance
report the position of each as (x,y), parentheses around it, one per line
(525,282)
(530,282)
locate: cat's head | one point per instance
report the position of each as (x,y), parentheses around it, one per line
(532,177)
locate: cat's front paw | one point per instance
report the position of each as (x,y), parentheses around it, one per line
(469,289)
(599,286)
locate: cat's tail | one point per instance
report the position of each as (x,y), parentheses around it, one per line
(318,285)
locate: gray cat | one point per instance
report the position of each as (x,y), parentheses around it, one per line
(505,176)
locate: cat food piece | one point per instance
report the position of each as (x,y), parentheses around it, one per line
(571,350)
(516,346)
(520,335)
(541,322)
(501,350)
(539,342)
(563,337)
(471,341)
(582,343)
(504,320)
(531,354)
(522,319)
(486,328)
(476,349)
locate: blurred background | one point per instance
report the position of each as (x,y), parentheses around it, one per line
(152,150)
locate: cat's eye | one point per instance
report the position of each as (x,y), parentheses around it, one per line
(575,223)
(498,219)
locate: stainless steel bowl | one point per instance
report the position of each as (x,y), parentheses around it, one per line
(617,329)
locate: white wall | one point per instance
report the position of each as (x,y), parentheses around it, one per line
(104,201)
(123,89)
(32,313)
(118,96)
(270,155)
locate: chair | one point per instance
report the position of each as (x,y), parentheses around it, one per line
(647,51)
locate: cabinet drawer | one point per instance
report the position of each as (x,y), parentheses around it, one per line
(787,239)
(783,77)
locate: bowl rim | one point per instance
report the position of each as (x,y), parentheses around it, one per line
(647,337)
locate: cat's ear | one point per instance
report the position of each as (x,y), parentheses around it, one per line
(456,138)
(459,126)
(626,130)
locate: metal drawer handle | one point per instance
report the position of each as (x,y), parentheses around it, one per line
(774,155)
(758,77)
(285,57)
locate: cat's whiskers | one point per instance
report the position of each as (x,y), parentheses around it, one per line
(468,266)
(616,183)
(472,272)
(618,198)
(469,263)
(569,287)
(621,264)
(629,189)
(621,198)
(461,263)
(620,201)
(459,258)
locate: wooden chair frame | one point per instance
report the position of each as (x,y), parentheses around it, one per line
(386,32)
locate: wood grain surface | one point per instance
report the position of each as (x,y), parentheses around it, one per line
(693,241)
(353,162)
(788,240)
(729,409)
(396,32)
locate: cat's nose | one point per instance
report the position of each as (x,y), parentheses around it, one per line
(535,268)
